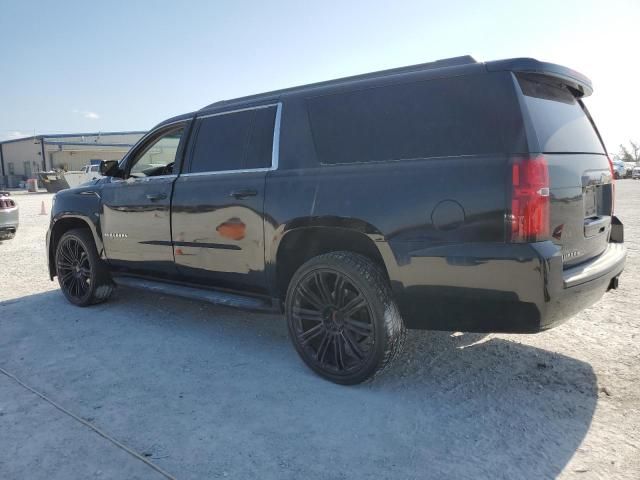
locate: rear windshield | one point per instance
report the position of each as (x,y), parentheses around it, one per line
(469,115)
(559,119)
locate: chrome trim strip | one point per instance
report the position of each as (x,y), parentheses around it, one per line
(257,107)
(146,179)
(223,172)
(275,152)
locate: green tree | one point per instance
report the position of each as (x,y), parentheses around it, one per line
(630,154)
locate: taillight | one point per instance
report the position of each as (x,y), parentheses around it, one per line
(530,217)
(613,185)
(6,203)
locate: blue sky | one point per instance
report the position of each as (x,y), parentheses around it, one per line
(80,66)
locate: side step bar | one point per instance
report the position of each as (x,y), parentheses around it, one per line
(216,297)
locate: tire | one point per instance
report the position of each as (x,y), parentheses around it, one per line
(83,277)
(342,319)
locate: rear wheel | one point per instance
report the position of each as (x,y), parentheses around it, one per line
(342,319)
(82,275)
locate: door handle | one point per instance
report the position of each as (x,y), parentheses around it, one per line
(243,193)
(156,196)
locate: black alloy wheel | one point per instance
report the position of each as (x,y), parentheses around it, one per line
(341,318)
(74,269)
(83,276)
(333,321)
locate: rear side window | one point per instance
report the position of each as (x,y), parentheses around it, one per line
(234,141)
(260,147)
(435,118)
(559,119)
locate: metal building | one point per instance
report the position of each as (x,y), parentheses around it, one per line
(22,158)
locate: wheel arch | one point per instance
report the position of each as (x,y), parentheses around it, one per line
(62,224)
(299,245)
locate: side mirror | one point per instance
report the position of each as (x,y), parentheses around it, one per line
(109,168)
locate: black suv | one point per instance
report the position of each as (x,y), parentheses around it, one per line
(452,195)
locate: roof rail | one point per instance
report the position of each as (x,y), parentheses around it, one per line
(443,63)
(451,62)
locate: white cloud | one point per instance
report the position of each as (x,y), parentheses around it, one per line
(87,114)
(13,134)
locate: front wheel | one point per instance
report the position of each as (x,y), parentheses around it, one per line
(82,275)
(342,319)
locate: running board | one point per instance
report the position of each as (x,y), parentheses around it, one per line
(216,297)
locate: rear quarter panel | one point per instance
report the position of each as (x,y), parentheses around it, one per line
(407,206)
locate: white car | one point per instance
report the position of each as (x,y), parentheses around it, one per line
(635,174)
(629,166)
(86,174)
(8,216)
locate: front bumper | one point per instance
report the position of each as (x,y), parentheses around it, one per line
(501,287)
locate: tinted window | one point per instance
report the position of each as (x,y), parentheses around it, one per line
(442,117)
(221,141)
(260,147)
(560,122)
(234,141)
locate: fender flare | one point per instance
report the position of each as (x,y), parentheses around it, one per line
(52,234)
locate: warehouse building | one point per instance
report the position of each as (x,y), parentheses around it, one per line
(22,158)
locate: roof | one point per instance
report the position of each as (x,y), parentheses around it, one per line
(446,63)
(446,67)
(67,135)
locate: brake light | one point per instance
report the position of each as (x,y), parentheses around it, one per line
(6,203)
(613,184)
(530,217)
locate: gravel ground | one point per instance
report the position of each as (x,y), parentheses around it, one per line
(206,392)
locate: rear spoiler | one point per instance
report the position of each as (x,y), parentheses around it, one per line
(578,82)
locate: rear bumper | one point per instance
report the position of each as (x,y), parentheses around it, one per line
(9,219)
(584,285)
(500,287)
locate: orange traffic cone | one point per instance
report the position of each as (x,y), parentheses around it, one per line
(42,209)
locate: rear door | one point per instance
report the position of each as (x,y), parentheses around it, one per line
(218,200)
(581,185)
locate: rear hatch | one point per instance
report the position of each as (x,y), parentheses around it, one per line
(560,129)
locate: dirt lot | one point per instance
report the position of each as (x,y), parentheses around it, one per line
(206,392)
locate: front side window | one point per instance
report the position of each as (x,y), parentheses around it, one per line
(234,141)
(158,157)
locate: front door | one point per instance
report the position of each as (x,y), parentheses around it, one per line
(217,210)
(136,220)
